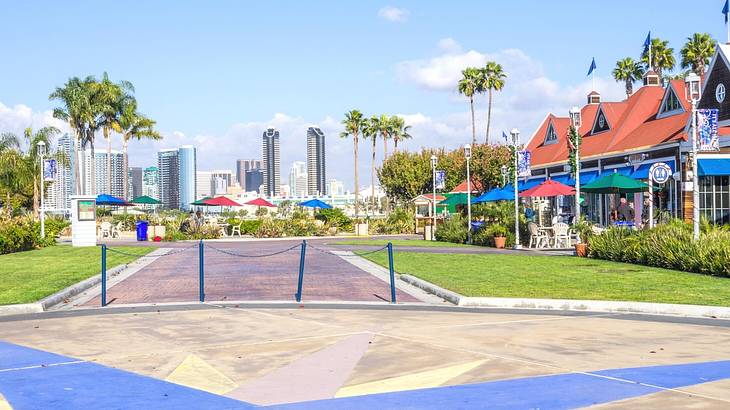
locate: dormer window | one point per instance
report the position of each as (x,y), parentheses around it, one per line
(670,104)
(551,137)
(601,123)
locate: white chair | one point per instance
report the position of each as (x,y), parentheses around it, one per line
(236,230)
(106,230)
(537,238)
(561,235)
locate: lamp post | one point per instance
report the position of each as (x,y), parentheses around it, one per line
(41,153)
(467,155)
(575,121)
(433,209)
(515,141)
(692,93)
(504,171)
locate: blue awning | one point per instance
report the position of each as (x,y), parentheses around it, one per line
(530,183)
(565,179)
(588,177)
(625,171)
(497,194)
(643,171)
(712,166)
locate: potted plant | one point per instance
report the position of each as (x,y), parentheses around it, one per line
(584,230)
(499,233)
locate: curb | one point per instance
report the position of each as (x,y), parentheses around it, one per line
(429,287)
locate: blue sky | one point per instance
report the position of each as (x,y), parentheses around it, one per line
(216,73)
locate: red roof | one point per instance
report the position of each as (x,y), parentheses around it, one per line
(221,201)
(429,197)
(476,186)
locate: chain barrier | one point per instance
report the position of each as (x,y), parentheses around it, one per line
(309,245)
(231,253)
(168,253)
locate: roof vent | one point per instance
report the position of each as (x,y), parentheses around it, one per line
(651,78)
(594,98)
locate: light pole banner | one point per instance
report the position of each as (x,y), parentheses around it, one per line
(440,179)
(49,169)
(707,129)
(523,164)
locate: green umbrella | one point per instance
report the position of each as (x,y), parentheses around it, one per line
(201,202)
(615,183)
(455,199)
(145,200)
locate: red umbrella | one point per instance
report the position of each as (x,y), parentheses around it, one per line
(260,202)
(548,188)
(221,201)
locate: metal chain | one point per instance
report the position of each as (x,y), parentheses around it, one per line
(169,253)
(331,253)
(370,252)
(253,256)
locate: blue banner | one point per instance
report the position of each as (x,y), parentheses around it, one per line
(523,164)
(707,129)
(49,169)
(440,179)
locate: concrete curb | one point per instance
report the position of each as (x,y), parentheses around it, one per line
(662,309)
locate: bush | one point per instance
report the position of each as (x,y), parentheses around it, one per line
(335,218)
(270,228)
(398,222)
(452,230)
(23,233)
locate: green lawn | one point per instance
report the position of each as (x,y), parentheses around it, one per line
(401,242)
(26,277)
(559,277)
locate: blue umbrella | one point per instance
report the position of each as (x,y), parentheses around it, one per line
(497,194)
(315,203)
(104,199)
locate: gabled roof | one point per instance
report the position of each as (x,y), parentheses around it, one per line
(476,186)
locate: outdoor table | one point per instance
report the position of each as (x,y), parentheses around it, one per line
(224,228)
(548,231)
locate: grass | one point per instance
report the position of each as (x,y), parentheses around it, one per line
(559,277)
(29,276)
(401,242)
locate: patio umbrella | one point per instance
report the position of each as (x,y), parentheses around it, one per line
(260,202)
(507,193)
(548,188)
(456,199)
(615,183)
(145,200)
(220,201)
(105,199)
(316,203)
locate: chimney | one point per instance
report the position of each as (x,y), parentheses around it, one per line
(594,98)
(651,78)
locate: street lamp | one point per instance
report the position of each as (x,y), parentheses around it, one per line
(467,155)
(692,93)
(504,171)
(575,121)
(515,141)
(41,152)
(433,213)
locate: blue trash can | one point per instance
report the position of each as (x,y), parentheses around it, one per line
(141,230)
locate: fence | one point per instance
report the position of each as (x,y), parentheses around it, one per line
(212,250)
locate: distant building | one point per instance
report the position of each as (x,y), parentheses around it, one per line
(226,174)
(169,182)
(220,185)
(151,182)
(271,162)
(316,173)
(134,180)
(117,172)
(298,179)
(243,165)
(188,167)
(335,187)
(203,184)
(254,180)
(63,187)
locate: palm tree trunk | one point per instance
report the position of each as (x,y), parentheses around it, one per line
(372,176)
(385,146)
(489,113)
(629,88)
(395,144)
(357,183)
(108,161)
(125,172)
(473,125)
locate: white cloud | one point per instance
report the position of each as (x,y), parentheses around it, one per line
(449,45)
(19,117)
(394,14)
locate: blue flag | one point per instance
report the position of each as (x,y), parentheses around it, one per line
(593,65)
(647,42)
(726,9)
(504,135)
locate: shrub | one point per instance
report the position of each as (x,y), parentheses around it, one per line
(452,230)
(23,233)
(336,218)
(270,228)
(398,222)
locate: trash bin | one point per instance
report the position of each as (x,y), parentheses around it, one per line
(141,230)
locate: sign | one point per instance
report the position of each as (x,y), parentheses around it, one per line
(660,172)
(523,164)
(87,210)
(707,129)
(49,169)
(440,179)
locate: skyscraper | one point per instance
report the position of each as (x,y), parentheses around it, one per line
(151,182)
(316,173)
(188,167)
(63,187)
(117,172)
(135,182)
(254,180)
(243,165)
(203,184)
(271,162)
(298,178)
(335,187)
(169,178)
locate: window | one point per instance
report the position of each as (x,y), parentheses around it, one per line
(601,123)
(670,104)
(551,137)
(715,199)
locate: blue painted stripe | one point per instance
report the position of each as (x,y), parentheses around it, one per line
(14,356)
(673,376)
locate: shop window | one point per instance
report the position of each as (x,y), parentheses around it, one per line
(715,199)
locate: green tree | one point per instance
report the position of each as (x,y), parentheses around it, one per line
(75,110)
(697,51)
(353,123)
(370,130)
(134,125)
(10,159)
(662,56)
(628,71)
(468,86)
(401,131)
(491,78)
(115,96)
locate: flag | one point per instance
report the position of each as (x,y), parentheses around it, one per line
(506,138)
(726,10)
(647,42)
(593,65)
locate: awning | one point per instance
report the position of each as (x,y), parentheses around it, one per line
(713,166)
(530,183)
(565,179)
(588,177)
(643,171)
(625,171)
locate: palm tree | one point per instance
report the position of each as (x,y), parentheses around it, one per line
(353,123)
(371,128)
(115,97)
(468,86)
(662,56)
(9,161)
(697,52)
(385,128)
(33,167)
(73,110)
(628,71)
(134,125)
(400,131)
(492,78)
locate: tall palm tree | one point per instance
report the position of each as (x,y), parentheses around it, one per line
(468,86)
(115,97)
(371,129)
(73,110)
(697,51)
(134,125)
(492,78)
(662,56)
(353,123)
(400,131)
(628,71)
(9,161)
(385,128)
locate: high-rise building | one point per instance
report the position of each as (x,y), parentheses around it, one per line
(134,179)
(298,179)
(203,184)
(271,162)
(226,174)
(169,178)
(220,185)
(151,182)
(335,187)
(63,187)
(254,180)
(188,167)
(243,165)
(316,172)
(102,181)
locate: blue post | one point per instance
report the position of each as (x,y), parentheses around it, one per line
(392,272)
(103,275)
(301,271)
(201,269)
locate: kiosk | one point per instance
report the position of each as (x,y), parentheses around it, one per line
(83,220)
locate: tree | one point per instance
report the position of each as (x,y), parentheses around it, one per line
(74,110)
(400,131)
(385,127)
(115,97)
(662,56)
(468,86)
(353,123)
(628,71)
(132,124)
(9,161)
(697,51)
(492,78)
(371,128)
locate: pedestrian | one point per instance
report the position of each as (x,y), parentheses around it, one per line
(624,212)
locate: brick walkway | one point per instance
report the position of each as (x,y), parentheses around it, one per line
(174,278)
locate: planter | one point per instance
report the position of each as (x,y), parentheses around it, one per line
(499,241)
(361,229)
(581,249)
(155,230)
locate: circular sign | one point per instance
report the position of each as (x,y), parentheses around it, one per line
(720,92)
(660,172)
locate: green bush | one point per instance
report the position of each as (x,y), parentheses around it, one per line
(22,233)
(335,218)
(398,222)
(452,230)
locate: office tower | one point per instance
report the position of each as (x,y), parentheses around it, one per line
(243,165)
(254,179)
(271,162)
(316,173)
(226,174)
(117,173)
(203,184)
(220,185)
(151,182)
(63,187)
(298,179)
(188,167)
(135,182)
(169,178)
(335,187)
